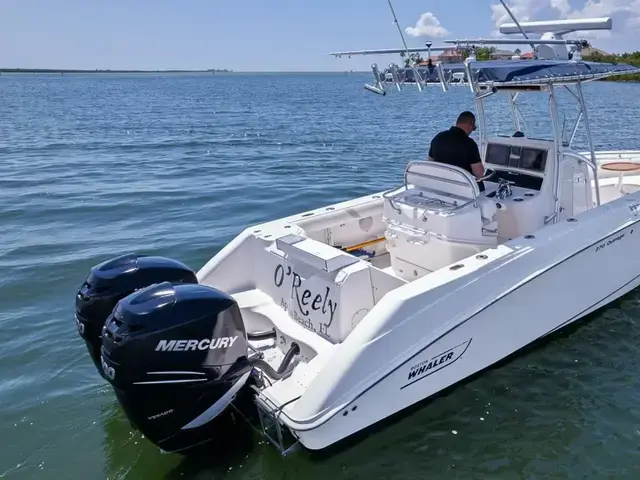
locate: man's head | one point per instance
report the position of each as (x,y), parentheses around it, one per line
(467,122)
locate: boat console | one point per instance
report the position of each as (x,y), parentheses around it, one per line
(521,161)
(440,216)
(518,174)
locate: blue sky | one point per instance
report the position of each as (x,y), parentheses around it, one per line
(263,35)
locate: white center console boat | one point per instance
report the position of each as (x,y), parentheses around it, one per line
(333,319)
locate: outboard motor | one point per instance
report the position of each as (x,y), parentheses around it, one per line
(113,280)
(176,356)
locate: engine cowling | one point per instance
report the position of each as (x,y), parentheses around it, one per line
(177,356)
(111,281)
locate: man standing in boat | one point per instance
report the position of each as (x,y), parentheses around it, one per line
(455,147)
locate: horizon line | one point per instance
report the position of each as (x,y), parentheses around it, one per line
(168,70)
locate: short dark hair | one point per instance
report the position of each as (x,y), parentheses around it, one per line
(466,118)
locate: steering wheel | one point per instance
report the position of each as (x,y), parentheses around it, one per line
(487,175)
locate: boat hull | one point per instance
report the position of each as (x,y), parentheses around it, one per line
(533,293)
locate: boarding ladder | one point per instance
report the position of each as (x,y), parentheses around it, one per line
(281,437)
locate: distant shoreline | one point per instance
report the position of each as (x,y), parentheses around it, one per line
(633,78)
(57,71)
(62,70)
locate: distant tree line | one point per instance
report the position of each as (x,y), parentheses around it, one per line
(632,58)
(412,59)
(484,53)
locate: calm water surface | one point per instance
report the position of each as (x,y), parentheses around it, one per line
(176,165)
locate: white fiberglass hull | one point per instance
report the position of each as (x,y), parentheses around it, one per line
(523,301)
(423,336)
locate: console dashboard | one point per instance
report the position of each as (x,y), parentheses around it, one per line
(524,163)
(521,161)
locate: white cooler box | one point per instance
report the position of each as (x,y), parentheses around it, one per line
(427,230)
(411,208)
(415,254)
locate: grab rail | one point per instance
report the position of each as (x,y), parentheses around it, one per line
(429,234)
(594,168)
(581,158)
(410,170)
(389,195)
(468,181)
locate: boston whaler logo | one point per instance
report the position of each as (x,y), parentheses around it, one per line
(435,363)
(193,345)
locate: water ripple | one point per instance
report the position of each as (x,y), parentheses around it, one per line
(177,165)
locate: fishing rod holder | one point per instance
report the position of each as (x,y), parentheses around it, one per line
(379,86)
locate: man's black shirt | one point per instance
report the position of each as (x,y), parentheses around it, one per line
(455,147)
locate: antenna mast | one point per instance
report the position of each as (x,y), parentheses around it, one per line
(533,47)
(395,20)
(412,62)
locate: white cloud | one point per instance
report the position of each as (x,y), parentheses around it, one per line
(523,10)
(562,6)
(427,26)
(626,12)
(605,8)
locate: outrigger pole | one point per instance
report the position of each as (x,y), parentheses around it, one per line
(379,87)
(551,46)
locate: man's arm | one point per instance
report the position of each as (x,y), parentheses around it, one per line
(434,143)
(475,161)
(477,169)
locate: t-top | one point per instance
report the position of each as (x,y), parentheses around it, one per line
(455,147)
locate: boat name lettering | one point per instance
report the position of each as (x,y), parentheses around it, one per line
(306,322)
(321,301)
(434,363)
(193,345)
(611,241)
(635,208)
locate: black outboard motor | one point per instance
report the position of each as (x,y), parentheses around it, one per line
(176,356)
(113,280)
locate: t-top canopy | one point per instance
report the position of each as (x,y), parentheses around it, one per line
(520,72)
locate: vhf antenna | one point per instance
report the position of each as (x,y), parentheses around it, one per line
(395,20)
(533,47)
(406,48)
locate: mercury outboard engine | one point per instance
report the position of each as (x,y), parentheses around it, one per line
(176,356)
(113,280)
